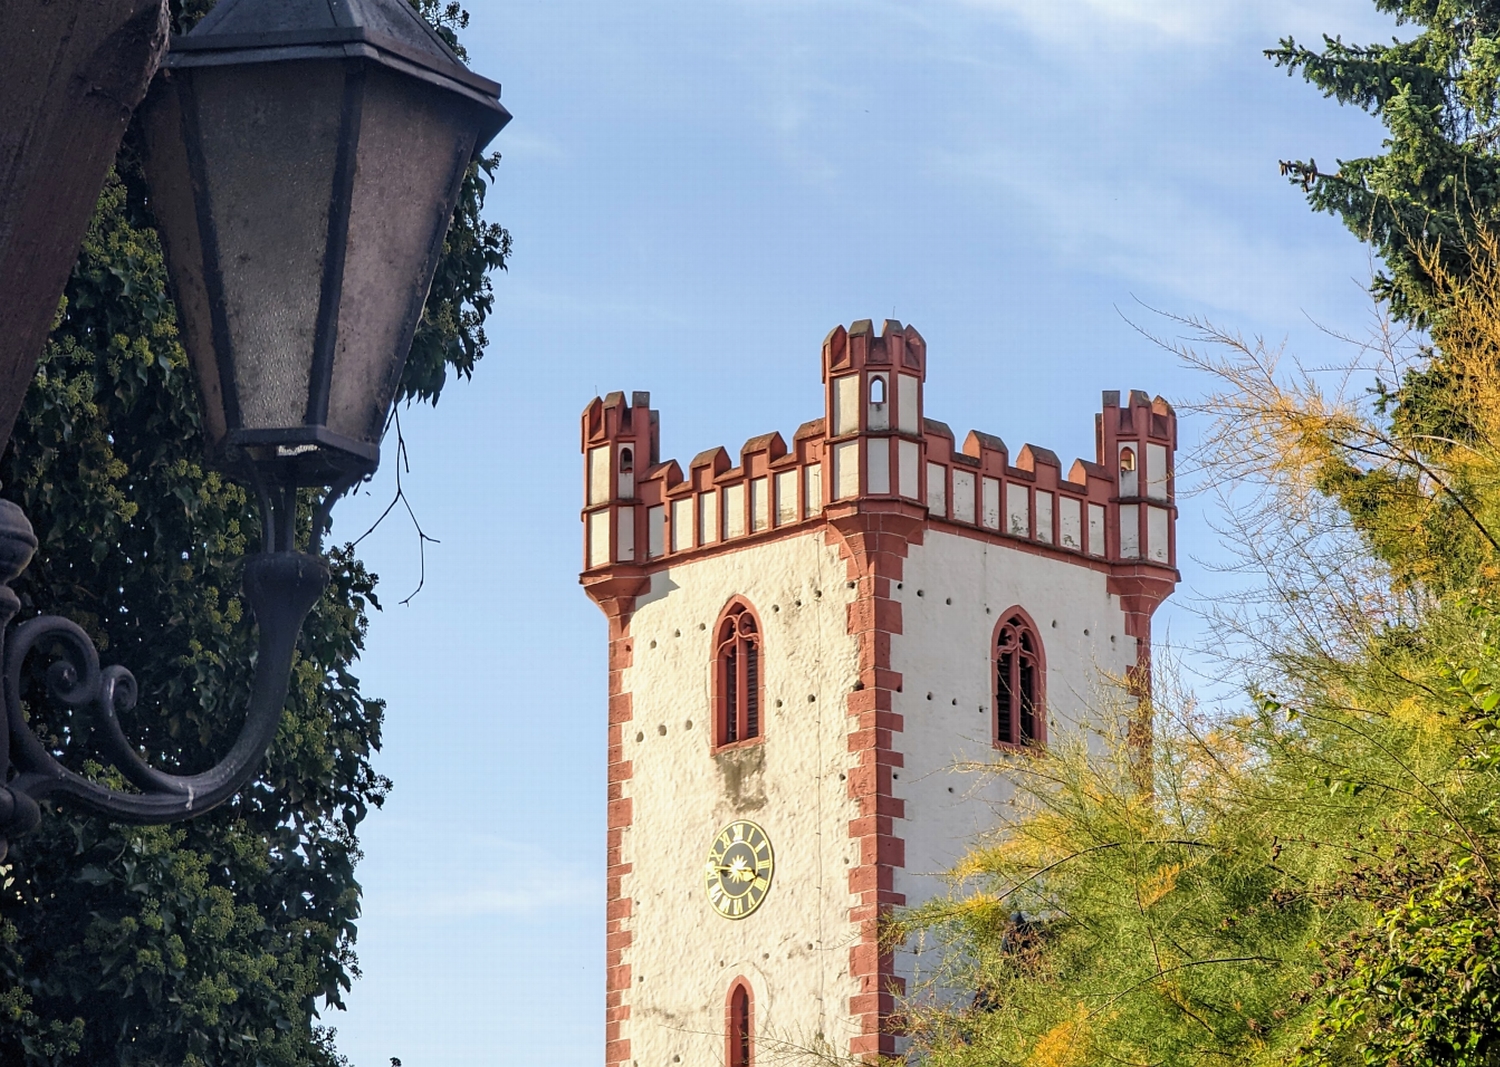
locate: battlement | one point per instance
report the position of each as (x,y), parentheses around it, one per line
(875,445)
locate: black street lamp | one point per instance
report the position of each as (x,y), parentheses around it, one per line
(304,161)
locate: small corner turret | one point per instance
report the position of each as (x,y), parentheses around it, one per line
(619,443)
(1139,441)
(873,391)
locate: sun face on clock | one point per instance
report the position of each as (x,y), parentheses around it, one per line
(738,873)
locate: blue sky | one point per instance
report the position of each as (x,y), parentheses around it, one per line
(698,192)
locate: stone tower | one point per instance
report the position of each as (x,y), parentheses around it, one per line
(804,646)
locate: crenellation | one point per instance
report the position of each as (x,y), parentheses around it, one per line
(933,428)
(981,445)
(1031,455)
(668,473)
(874,443)
(713,460)
(772,443)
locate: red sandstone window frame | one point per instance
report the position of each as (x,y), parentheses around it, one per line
(739,1024)
(739,676)
(1016,648)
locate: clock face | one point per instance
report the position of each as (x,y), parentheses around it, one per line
(738,873)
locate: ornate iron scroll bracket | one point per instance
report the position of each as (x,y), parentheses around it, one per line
(281,587)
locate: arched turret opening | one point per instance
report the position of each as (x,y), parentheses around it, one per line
(627,472)
(879,414)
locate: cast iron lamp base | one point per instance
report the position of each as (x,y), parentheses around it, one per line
(281,588)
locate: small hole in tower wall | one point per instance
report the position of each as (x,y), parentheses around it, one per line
(921,592)
(950,789)
(929,696)
(1085,631)
(778,703)
(777,607)
(676,633)
(817,594)
(851,585)
(796,603)
(948,601)
(688,725)
(703,626)
(811,698)
(955,702)
(1054,624)
(653,644)
(662,729)
(639,738)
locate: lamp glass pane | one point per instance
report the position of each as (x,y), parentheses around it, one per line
(270,135)
(413,148)
(176,213)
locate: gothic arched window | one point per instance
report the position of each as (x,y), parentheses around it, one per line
(739,1040)
(1019,677)
(737,671)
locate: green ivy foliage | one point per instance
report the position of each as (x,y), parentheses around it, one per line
(217,941)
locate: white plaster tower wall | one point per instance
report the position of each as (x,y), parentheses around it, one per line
(794,949)
(955,592)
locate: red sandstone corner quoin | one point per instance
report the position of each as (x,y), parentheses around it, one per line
(873,475)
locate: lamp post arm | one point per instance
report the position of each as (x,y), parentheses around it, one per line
(281,588)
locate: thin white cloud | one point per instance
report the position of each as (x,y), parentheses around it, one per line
(443,903)
(1161,241)
(1089,24)
(1061,20)
(522,143)
(498,878)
